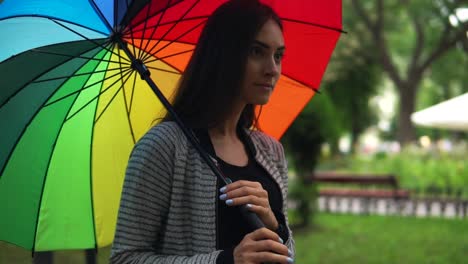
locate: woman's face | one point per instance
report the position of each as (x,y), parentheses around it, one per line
(263,64)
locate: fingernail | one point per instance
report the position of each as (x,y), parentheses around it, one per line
(223,197)
(290,260)
(281,240)
(223,189)
(249,206)
(289,252)
(229,202)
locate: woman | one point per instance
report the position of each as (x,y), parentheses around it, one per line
(173,208)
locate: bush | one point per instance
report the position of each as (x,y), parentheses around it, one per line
(419,170)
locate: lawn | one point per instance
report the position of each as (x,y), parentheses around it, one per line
(337,238)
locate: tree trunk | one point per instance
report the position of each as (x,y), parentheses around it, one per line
(407,92)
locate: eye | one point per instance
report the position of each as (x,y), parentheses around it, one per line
(279,56)
(255,51)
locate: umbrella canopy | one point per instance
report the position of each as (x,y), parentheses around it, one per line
(72,104)
(451,114)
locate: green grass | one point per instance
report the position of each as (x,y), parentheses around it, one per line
(382,239)
(336,238)
(10,254)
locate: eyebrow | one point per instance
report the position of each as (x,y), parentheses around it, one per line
(266,46)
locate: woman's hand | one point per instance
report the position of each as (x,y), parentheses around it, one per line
(261,246)
(254,196)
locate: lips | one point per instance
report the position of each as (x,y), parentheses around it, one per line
(266,85)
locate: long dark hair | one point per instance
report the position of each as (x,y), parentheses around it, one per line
(215,72)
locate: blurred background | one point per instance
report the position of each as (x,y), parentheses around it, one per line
(367,183)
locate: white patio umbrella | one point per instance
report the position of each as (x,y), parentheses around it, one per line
(451,114)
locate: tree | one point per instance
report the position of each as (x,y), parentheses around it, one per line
(303,142)
(429,37)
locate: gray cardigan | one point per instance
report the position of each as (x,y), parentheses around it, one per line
(167,210)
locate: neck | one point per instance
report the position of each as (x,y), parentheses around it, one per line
(227,128)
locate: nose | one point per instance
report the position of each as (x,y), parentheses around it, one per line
(272,67)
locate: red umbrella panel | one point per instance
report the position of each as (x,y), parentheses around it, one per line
(311,30)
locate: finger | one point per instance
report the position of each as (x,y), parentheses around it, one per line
(244,191)
(259,210)
(251,199)
(239,184)
(263,233)
(269,245)
(262,257)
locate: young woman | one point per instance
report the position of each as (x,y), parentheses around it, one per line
(173,208)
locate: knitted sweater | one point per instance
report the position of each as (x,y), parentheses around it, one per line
(168,207)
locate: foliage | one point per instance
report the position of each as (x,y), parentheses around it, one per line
(338,238)
(414,42)
(422,171)
(302,142)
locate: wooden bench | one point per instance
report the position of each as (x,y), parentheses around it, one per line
(366,187)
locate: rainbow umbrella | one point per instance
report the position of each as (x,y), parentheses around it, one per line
(75,97)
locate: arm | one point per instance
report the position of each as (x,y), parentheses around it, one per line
(145,204)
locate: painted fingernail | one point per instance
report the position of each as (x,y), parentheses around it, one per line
(223,197)
(249,206)
(289,252)
(281,240)
(229,202)
(223,189)
(290,260)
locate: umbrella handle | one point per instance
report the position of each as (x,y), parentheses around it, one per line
(251,218)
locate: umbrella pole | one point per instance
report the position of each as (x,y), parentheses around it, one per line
(139,66)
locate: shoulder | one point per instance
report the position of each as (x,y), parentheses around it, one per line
(165,135)
(267,143)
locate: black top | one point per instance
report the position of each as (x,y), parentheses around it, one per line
(231,226)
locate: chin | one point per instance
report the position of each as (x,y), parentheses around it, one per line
(262,101)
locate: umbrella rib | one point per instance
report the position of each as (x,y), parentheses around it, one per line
(101,15)
(83,88)
(22,132)
(113,97)
(172,41)
(126,105)
(125,32)
(131,32)
(75,75)
(154,27)
(302,83)
(125,98)
(133,92)
(144,26)
(163,70)
(74,57)
(54,18)
(313,24)
(84,37)
(168,56)
(46,172)
(40,74)
(97,96)
(167,32)
(156,13)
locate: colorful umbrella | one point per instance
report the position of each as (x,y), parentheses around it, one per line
(72,103)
